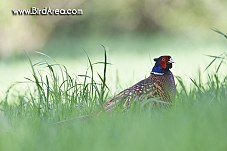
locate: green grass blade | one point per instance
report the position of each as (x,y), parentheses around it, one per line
(210,63)
(219,32)
(220,64)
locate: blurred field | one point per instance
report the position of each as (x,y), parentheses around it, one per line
(181,17)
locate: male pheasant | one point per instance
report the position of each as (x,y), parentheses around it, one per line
(160,84)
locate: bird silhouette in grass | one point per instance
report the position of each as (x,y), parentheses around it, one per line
(160,84)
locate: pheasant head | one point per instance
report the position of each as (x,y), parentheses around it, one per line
(162,65)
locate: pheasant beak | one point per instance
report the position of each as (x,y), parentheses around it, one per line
(171,60)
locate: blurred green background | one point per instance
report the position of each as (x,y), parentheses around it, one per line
(134,32)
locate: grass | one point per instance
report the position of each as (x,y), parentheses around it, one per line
(56,113)
(195,127)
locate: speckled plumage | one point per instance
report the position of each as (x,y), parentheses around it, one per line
(159,85)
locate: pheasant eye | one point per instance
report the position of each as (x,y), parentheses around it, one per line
(163,59)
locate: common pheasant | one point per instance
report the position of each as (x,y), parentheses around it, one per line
(160,84)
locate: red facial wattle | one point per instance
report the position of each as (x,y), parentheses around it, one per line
(163,65)
(163,62)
